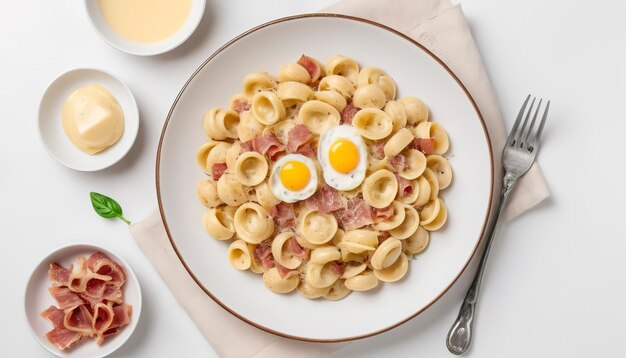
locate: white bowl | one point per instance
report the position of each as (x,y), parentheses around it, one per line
(37,298)
(51,130)
(109,36)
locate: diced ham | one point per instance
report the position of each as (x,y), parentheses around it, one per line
(217,170)
(283,215)
(338,267)
(325,200)
(78,319)
(299,141)
(63,338)
(295,248)
(378,150)
(348,112)
(239,105)
(54,315)
(357,214)
(101,264)
(379,215)
(59,275)
(384,235)
(64,297)
(268,144)
(405,187)
(424,145)
(283,271)
(311,67)
(398,162)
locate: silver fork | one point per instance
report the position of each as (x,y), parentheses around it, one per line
(519,154)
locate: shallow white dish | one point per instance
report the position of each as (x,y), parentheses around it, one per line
(108,35)
(51,130)
(37,298)
(417,72)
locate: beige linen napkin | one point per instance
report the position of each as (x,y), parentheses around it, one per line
(442,28)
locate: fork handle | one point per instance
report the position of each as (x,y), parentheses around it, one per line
(460,334)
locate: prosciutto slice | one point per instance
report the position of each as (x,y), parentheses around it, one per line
(79,271)
(424,145)
(113,294)
(102,317)
(263,254)
(283,215)
(121,315)
(348,113)
(65,297)
(63,338)
(295,248)
(384,235)
(338,267)
(283,271)
(357,214)
(379,215)
(101,264)
(217,170)
(311,66)
(378,150)
(405,187)
(299,141)
(54,315)
(398,162)
(59,275)
(325,200)
(267,144)
(78,319)
(239,105)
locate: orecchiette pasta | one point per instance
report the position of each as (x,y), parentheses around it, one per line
(416,164)
(218,222)
(231,191)
(318,228)
(415,109)
(369,96)
(221,123)
(273,281)
(394,272)
(416,243)
(253,223)
(337,83)
(267,108)
(320,180)
(408,226)
(251,168)
(380,188)
(342,66)
(292,93)
(257,82)
(333,98)
(207,193)
(400,140)
(318,116)
(239,255)
(364,281)
(372,123)
(293,72)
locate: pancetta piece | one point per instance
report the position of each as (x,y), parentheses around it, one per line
(54,315)
(59,275)
(311,66)
(217,169)
(299,141)
(283,215)
(357,214)
(325,200)
(63,338)
(65,297)
(101,264)
(348,113)
(78,319)
(405,188)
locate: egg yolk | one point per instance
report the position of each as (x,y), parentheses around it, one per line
(343,156)
(294,175)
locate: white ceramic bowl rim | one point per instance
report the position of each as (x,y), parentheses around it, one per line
(352,18)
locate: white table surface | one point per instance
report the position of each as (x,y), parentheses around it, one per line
(556,281)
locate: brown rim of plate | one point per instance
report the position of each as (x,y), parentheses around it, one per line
(347,17)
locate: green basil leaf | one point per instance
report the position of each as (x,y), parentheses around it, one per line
(106,207)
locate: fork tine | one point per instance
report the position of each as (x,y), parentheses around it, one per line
(529,131)
(537,139)
(520,133)
(509,141)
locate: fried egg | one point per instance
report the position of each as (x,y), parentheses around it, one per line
(293,178)
(343,157)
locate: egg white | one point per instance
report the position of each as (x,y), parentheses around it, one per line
(335,179)
(290,196)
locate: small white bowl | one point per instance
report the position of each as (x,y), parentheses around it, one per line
(51,130)
(109,36)
(37,298)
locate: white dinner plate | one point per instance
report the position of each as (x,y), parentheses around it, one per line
(51,131)
(417,72)
(37,298)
